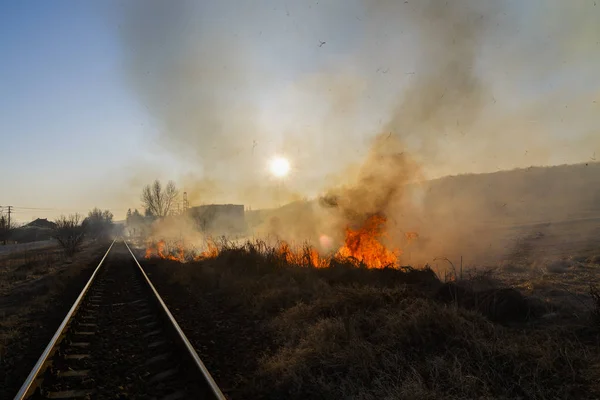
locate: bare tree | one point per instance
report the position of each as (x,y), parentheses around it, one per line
(69,233)
(157,200)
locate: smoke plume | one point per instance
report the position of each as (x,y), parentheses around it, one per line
(368,99)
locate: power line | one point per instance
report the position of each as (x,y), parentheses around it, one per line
(22,211)
(60,209)
(35,208)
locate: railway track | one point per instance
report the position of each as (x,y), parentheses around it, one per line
(119,341)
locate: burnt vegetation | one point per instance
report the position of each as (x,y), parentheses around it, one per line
(280,328)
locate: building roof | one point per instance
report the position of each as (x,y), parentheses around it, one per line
(42,223)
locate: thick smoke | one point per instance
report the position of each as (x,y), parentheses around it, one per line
(369,99)
(196,81)
(446,93)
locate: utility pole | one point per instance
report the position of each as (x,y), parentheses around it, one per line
(6,228)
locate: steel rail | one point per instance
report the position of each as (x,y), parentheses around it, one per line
(184,340)
(27,385)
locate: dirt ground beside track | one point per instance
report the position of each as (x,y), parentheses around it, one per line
(37,288)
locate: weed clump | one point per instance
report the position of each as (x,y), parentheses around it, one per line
(500,305)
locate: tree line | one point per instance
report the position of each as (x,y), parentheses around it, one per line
(158,201)
(70,230)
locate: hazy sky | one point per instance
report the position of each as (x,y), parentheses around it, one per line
(99,98)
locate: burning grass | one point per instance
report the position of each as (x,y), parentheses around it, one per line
(363,246)
(176,251)
(304,255)
(349,331)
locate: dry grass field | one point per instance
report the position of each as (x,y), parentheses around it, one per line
(270,328)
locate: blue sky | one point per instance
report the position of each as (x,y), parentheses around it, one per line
(67,119)
(76,133)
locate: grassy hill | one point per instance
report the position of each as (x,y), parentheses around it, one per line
(475,215)
(536,194)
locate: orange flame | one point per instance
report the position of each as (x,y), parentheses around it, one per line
(159,250)
(156,250)
(314,258)
(363,244)
(211,251)
(179,254)
(150,250)
(306,256)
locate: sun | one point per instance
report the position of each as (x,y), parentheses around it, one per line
(279,167)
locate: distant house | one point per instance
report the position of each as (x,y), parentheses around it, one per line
(42,223)
(220,219)
(39,229)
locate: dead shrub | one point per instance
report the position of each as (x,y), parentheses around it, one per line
(499,305)
(69,233)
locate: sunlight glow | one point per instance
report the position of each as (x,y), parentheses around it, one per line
(279,167)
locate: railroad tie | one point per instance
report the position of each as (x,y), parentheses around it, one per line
(156,344)
(181,394)
(155,359)
(151,324)
(161,376)
(76,356)
(79,344)
(87,325)
(153,333)
(84,333)
(73,373)
(69,394)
